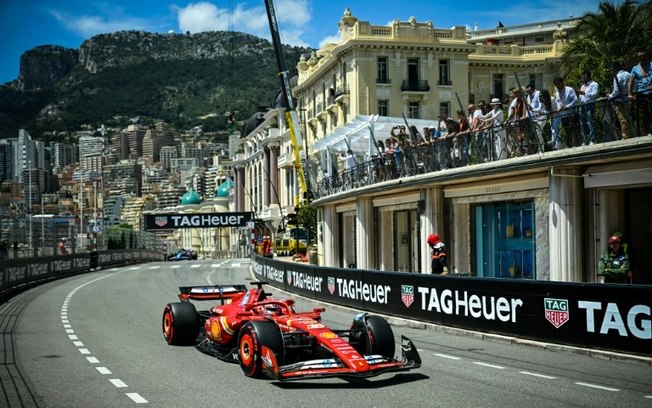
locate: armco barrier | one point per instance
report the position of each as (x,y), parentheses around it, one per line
(592,315)
(17,272)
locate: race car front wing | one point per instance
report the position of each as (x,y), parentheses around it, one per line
(334,367)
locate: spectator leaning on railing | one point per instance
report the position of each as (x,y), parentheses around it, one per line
(588,93)
(640,90)
(619,97)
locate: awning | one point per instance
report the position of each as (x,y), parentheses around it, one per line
(619,174)
(357,133)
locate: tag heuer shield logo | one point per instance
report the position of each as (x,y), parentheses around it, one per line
(331,285)
(407,295)
(161,221)
(556,311)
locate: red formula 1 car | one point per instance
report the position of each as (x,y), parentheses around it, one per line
(267,337)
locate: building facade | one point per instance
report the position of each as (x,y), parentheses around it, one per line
(543,214)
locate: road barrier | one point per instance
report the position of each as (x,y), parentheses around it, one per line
(592,315)
(18,272)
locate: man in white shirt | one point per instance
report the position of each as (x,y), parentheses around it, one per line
(588,94)
(493,120)
(566,101)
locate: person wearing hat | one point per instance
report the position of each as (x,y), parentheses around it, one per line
(438,254)
(613,266)
(493,121)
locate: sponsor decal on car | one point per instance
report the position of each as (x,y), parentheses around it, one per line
(327,335)
(407,295)
(556,311)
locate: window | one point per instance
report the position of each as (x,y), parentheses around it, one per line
(505,245)
(445,108)
(413,71)
(413,109)
(382,74)
(499,85)
(444,72)
(383,108)
(532,80)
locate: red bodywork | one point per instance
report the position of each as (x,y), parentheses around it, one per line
(336,356)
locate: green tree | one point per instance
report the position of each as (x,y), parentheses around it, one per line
(614,33)
(307,217)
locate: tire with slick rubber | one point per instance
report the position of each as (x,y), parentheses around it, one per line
(377,337)
(180,324)
(253,335)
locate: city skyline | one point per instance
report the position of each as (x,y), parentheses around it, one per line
(68,23)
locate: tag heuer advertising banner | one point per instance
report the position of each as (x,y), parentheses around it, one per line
(203,220)
(594,315)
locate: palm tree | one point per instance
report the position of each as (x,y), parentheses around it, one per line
(614,33)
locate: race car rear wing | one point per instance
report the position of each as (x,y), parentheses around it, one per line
(210,292)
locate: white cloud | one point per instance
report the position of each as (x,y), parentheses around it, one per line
(293,18)
(88,26)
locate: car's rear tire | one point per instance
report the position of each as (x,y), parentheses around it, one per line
(377,337)
(253,336)
(180,323)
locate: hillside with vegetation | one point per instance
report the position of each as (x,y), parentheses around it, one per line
(184,79)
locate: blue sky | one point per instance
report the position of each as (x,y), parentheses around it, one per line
(25,24)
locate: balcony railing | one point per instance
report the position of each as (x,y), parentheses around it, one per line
(588,124)
(420,85)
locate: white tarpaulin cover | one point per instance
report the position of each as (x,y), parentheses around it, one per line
(356,135)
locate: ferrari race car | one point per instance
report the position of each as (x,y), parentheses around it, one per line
(268,338)
(183,255)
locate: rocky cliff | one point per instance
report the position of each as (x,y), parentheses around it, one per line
(175,77)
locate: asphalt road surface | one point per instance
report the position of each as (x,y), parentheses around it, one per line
(95,340)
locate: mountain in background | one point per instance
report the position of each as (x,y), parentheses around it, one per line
(183,79)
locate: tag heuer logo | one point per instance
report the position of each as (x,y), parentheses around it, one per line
(331,285)
(407,295)
(556,311)
(161,221)
(289,278)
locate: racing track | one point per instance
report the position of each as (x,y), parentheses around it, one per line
(95,340)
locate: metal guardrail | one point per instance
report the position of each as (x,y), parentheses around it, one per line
(591,123)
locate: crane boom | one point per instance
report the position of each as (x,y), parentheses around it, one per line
(286,92)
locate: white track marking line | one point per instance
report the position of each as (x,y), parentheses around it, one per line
(215,266)
(135,397)
(195,266)
(598,387)
(549,377)
(175,266)
(447,356)
(135,268)
(118,383)
(235,265)
(489,365)
(648,396)
(154,267)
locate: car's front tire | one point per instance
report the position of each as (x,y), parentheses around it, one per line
(253,336)
(180,323)
(376,336)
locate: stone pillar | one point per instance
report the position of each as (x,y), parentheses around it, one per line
(365,233)
(267,186)
(432,221)
(273,172)
(565,232)
(239,188)
(330,232)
